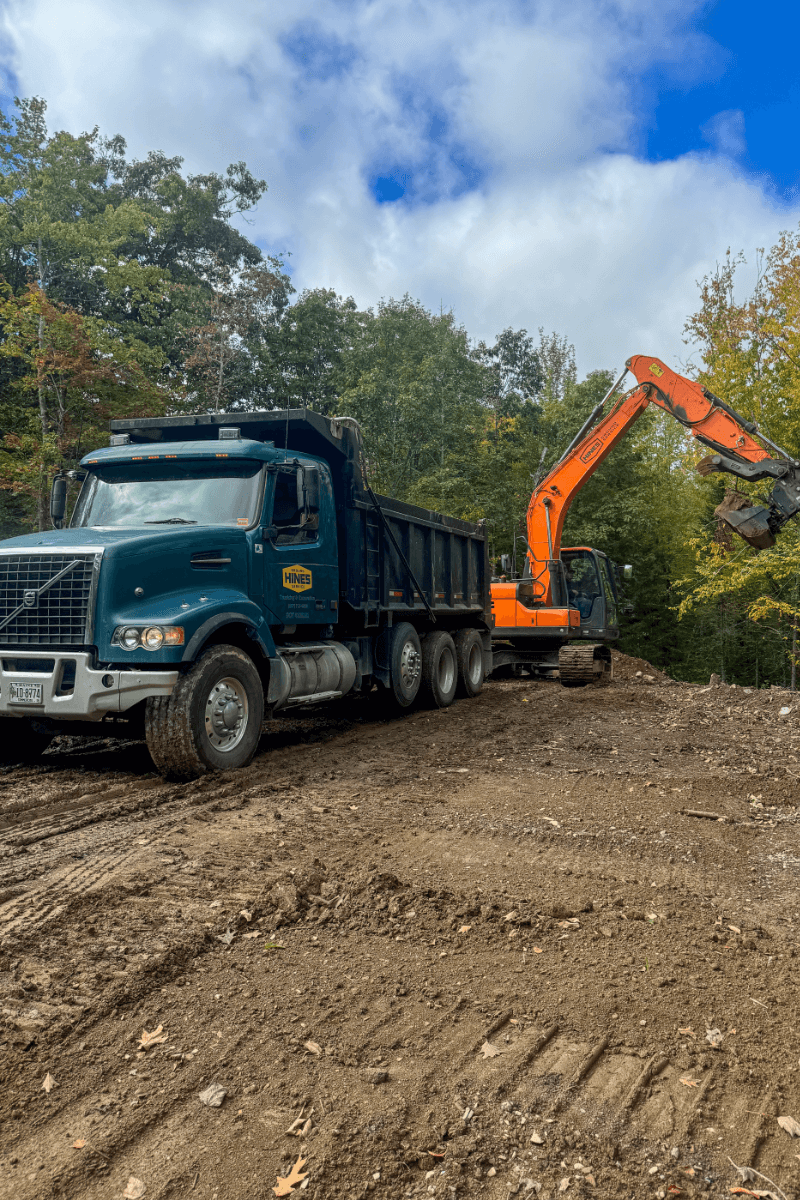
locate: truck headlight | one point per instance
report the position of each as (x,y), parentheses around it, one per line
(153,637)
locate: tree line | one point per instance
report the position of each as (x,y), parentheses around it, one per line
(128,288)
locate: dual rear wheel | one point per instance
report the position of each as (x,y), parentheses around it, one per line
(439,665)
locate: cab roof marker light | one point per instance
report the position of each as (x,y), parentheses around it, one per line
(119,439)
(230,433)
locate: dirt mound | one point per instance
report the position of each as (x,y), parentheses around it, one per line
(626,668)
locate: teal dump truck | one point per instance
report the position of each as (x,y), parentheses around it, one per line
(220,568)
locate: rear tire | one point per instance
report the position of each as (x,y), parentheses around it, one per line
(439,668)
(212,721)
(22,741)
(469,656)
(405,664)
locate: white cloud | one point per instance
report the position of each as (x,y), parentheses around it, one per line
(518,122)
(724,132)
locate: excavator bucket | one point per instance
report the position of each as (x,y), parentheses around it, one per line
(750,521)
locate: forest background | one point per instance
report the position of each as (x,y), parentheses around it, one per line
(128,288)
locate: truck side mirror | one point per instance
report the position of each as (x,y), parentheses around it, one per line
(312,488)
(270,533)
(58,500)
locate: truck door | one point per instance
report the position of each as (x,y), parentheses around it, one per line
(301,584)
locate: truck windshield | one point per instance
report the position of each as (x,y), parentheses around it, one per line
(192,492)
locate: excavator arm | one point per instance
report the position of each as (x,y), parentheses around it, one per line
(729,436)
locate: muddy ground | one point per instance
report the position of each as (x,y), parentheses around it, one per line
(471,952)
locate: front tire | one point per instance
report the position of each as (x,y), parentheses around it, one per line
(212,721)
(22,741)
(439,668)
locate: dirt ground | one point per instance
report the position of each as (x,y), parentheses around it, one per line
(481,952)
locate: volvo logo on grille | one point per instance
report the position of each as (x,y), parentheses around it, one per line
(29,599)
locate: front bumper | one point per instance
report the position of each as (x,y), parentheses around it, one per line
(71,689)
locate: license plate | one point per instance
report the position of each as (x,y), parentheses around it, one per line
(26,693)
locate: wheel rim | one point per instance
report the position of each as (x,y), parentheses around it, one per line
(410,665)
(227,714)
(446,671)
(475,664)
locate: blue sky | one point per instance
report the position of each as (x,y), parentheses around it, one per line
(575,165)
(752,69)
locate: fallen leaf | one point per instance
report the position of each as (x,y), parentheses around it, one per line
(690,1171)
(565,1182)
(247,936)
(286,1183)
(134,1190)
(734,929)
(226,938)
(675,1191)
(714,1037)
(248,916)
(691,1032)
(314,1047)
(213,1095)
(790,1125)
(536,950)
(537,1139)
(152,1039)
(489,1051)
(49,1083)
(79,1144)
(510,916)
(272,946)
(691,1082)
(606,932)
(465,929)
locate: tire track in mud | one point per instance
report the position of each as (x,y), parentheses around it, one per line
(386,980)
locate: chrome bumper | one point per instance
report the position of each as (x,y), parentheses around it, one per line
(88,696)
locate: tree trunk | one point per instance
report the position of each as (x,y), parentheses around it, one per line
(41,500)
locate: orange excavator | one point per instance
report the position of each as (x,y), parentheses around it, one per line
(559,617)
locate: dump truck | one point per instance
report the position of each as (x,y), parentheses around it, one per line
(221,568)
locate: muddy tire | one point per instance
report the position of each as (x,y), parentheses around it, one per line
(22,741)
(439,669)
(405,664)
(212,721)
(469,658)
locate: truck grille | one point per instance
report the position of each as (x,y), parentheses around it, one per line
(45,599)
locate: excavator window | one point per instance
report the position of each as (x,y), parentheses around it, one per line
(610,593)
(583,585)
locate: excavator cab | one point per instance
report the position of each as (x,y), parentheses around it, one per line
(591,589)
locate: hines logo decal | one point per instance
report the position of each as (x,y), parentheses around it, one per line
(297,579)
